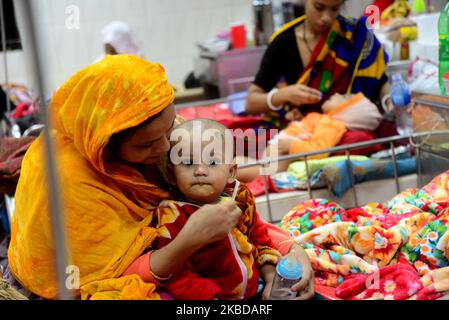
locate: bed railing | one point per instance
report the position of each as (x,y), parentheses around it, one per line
(390,141)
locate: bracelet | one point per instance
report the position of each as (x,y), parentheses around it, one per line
(158,278)
(155,276)
(269,102)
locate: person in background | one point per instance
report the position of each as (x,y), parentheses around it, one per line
(119,38)
(317,131)
(3,104)
(313,57)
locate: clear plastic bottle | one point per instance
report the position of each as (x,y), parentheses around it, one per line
(443,32)
(288,273)
(277,14)
(400,97)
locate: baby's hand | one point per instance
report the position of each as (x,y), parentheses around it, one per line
(212,222)
(294,115)
(284,146)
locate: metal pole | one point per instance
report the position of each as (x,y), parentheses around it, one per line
(5,59)
(418,164)
(24,9)
(309,180)
(395,167)
(354,191)
(267,193)
(206,103)
(345,148)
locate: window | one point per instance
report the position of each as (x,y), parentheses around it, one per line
(12,33)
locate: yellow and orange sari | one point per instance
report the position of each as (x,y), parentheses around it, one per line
(106,206)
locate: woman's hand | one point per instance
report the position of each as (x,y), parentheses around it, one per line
(284,146)
(305,287)
(267,272)
(211,223)
(297,94)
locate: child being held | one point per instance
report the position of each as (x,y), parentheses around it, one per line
(228,268)
(318,131)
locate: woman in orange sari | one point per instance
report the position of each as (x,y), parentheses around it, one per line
(112,122)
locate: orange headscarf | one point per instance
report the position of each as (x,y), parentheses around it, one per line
(107,206)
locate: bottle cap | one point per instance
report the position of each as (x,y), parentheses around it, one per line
(289,268)
(396,77)
(401,99)
(400,95)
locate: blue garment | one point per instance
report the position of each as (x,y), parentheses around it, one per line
(237,102)
(4,220)
(338,178)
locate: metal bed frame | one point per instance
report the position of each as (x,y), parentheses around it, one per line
(23,9)
(57,223)
(345,148)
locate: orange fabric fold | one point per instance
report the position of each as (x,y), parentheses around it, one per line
(323,132)
(355,99)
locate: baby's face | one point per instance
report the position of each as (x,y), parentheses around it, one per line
(202,179)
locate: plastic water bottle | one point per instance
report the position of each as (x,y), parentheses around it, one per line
(419,6)
(443,32)
(400,97)
(288,273)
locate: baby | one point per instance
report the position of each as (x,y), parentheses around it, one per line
(317,131)
(203,172)
(340,112)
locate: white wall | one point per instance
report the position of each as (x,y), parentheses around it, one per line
(356,7)
(168,30)
(16,67)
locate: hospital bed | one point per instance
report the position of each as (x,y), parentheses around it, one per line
(273,206)
(276,205)
(432,158)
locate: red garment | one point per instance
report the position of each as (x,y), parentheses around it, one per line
(386,219)
(220,112)
(351,137)
(398,282)
(226,269)
(257,186)
(22,110)
(12,151)
(381,4)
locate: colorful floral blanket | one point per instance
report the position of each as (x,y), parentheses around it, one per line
(396,250)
